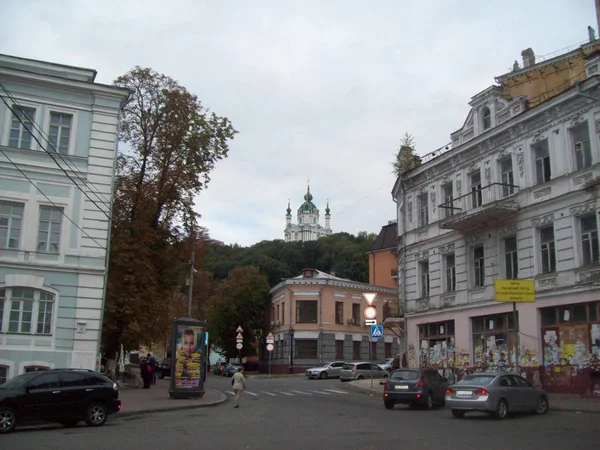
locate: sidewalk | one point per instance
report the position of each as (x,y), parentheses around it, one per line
(156,399)
(558,402)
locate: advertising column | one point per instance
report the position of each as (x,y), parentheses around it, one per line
(188,361)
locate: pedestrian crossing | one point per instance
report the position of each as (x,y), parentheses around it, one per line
(293,393)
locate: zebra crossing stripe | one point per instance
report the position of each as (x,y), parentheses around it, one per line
(336,391)
(251,393)
(319,392)
(287,393)
(230,393)
(300,392)
(268,393)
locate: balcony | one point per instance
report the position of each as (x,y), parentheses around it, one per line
(491,206)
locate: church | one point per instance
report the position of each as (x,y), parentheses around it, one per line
(308,227)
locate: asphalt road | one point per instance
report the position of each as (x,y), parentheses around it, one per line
(295,413)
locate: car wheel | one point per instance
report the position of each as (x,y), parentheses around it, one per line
(8,420)
(323,375)
(501,409)
(542,405)
(388,405)
(429,401)
(360,377)
(69,422)
(96,415)
(458,413)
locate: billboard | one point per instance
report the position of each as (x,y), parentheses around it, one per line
(188,360)
(518,291)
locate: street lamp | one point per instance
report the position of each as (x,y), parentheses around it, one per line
(291,332)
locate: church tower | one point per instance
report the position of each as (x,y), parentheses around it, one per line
(308,227)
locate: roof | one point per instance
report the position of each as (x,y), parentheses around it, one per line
(387,238)
(321,275)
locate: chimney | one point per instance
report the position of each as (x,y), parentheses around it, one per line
(528,57)
(591,34)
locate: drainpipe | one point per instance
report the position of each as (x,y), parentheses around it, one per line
(321,323)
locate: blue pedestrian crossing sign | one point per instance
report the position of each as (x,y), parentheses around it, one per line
(376,331)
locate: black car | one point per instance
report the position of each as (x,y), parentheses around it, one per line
(414,387)
(65,396)
(164,368)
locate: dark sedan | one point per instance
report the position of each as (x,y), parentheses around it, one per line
(230,369)
(414,387)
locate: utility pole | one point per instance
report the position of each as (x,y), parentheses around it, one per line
(192,270)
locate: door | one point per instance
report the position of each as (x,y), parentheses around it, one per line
(44,397)
(377,371)
(74,393)
(509,390)
(438,385)
(363,370)
(336,369)
(527,394)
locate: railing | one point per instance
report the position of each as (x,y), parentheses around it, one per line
(479,199)
(434,154)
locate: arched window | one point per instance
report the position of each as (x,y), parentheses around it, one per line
(26,310)
(3,374)
(487,119)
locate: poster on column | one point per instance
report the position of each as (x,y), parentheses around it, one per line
(188,372)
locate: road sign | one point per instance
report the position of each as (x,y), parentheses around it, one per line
(239,330)
(239,336)
(239,340)
(270,338)
(370,312)
(519,291)
(377,331)
(371,322)
(370,297)
(206,338)
(238,346)
(270,347)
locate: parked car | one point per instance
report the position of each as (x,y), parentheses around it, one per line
(361,370)
(327,370)
(418,387)
(65,396)
(386,364)
(495,393)
(231,369)
(219,366)
(164,368)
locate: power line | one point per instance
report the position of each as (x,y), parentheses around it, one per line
(53,158)
(57,152)
(51,202)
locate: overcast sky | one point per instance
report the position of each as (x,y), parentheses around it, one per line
(319,90)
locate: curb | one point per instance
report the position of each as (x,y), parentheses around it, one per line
(265,376)
(350,387)
(221,400)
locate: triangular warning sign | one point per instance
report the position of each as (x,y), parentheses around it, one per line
(377,332)
(270,336)
(370,297)
(239,330)
(239,336)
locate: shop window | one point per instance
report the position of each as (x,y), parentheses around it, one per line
(306,348)
(339,349)
(436,342)
(374,350)
(493,340)
(549,317)
(355,350)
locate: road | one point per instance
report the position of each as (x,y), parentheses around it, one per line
(295,413)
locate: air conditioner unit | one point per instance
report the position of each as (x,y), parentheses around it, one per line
(351,321)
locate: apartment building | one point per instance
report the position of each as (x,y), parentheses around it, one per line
(58,140)
(513,196)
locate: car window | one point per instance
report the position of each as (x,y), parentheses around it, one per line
(347,367)
(364,366)
(337,365)
(46,381)
(481,380)
(522,382)
(376,367)
(95,380)
(405,375)
(507,381)
(70,379)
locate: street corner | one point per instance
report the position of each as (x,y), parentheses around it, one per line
(362,386)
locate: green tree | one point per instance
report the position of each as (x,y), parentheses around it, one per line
(406,158)
(240,300)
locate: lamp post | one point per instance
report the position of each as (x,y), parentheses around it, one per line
(291,332)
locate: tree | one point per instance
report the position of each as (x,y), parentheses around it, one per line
(406,158)
(240,300)
(173,145)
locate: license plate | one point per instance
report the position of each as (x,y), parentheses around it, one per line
(401,387)
(464,393)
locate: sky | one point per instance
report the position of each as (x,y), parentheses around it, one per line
(318,90)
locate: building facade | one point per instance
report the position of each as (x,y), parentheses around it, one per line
(317,317)
(308,227)
(514,196)
(58,142)
(383,257)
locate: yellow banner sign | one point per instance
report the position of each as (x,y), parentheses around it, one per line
(520,291)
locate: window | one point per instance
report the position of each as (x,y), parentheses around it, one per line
(60,131)
(448,193)
(73,380)
(26,310)
(424,268)
(276,318)
(478,267)
(11,216)
(306,311)
(356,312)
(450,263)
(3,374)
(494,339)
(339,312)
(282,313)
(339,349)
(508,179)
(511,260)
(547,249)
(21,127)
(45,381)
(388,350)
(29,369)
(374,350)
(423,210)
(49,229)
(436,342)
(487,119)
(542,162)
(476,197)
(589,239)
(306,348)
(356,350)
(580,136)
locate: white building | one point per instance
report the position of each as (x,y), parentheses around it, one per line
(308,227)
(57,162)
(513,196)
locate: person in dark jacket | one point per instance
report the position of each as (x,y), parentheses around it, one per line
(146,372)
(153,366)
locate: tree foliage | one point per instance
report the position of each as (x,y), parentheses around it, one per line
(173,145)
(242,299)
(406,158)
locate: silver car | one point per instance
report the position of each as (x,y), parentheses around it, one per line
(361,371)
(495,393)
(327,370)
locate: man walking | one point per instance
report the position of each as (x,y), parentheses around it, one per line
(239,385)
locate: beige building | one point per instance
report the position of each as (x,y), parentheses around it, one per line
(317,317)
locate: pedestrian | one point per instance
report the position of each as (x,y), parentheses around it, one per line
(146,372)
(153,367)
(239,385)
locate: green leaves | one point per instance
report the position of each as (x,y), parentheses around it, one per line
(406,158)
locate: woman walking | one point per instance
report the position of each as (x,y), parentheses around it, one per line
(239,385)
